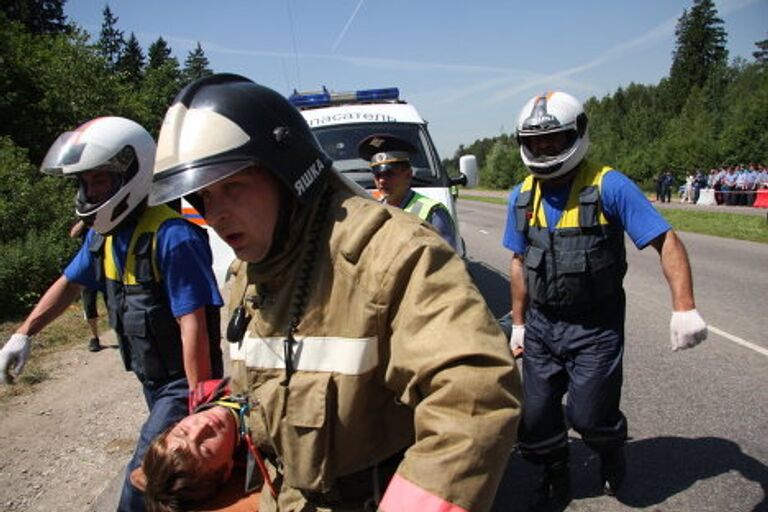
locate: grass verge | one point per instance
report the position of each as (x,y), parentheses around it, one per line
(726,225)
(68,330)
(484,199)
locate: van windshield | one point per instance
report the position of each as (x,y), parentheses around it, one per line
(340,143)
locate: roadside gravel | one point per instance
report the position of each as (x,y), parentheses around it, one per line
(63,444)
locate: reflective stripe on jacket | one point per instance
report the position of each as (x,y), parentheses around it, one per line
(582,262)
(391,355)
(139,312)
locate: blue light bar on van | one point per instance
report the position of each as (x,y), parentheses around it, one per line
(310,99)
(388,94)
(304,100)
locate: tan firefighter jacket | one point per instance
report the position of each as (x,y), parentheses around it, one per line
(395,351)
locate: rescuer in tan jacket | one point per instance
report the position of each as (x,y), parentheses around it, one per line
(367,370)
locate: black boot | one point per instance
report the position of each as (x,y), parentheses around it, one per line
(554,494)
(613,470)
(94,345)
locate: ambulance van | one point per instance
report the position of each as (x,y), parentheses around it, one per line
(341,120)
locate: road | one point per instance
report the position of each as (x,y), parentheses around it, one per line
(698,419)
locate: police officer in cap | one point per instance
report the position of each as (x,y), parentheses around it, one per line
(390,163)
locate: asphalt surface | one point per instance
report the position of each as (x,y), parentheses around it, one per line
(697,418)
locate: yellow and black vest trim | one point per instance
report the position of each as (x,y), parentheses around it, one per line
(582,262)
(139,312)
(423,206)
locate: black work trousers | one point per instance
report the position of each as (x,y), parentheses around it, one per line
(581,355)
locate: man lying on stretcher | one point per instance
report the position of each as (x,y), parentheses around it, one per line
(190,462)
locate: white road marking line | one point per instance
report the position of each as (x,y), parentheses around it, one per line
(483,231)
(738,341)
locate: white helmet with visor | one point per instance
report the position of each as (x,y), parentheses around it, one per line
(122,150)
(552,134)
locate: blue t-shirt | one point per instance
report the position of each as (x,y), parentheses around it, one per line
(622,202)
(183,257)
(441,220)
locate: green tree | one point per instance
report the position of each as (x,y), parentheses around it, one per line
(691,139)
(480,148)
(761,54)
(700,47)
(34,245)
(56,83)
(162,81)
(159,87)
(159,53)
(744,136)
(131,61)
(502,168)
(51,83)
(196,64)
(38,16)
(622,127)
(111,40)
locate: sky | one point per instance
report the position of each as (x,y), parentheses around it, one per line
(467,66)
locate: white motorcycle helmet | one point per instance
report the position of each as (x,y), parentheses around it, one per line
(114,144)
(546,115)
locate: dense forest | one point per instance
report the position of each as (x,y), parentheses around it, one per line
(54,76)
(708,112)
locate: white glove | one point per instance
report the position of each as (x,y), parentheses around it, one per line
(518,337)
(15,353)
(686,329)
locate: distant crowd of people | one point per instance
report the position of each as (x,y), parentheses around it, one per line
(734,185)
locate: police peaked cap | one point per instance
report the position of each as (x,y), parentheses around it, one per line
(383,148)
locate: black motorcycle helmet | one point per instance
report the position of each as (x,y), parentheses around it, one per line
(223,123)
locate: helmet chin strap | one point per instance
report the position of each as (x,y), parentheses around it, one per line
(88,220)
(288,204)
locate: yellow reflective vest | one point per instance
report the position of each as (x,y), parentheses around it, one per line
(582,261)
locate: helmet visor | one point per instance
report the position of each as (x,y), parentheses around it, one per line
(69,155)
(548,147)
(175,183)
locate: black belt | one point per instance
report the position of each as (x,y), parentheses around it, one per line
(356,490)
(575,313)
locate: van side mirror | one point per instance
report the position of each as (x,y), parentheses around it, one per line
(468,170)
